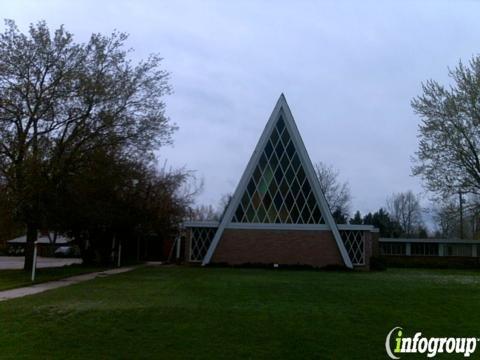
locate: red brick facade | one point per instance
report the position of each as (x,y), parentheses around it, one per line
(315,248)
(289,247)
(371,247)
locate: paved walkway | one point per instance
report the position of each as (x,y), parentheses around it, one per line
(39,288)
(16,262)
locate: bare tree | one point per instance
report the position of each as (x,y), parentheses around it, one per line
(446,218)
(208,212)
(457,216)
(203,213)
(337,193)
(448,155)
(223,204)
(405,209)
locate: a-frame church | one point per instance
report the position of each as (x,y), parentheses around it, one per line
(278,213)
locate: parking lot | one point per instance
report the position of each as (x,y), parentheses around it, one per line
(16,262)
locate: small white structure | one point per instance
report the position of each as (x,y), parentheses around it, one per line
(17,246)
(42,240)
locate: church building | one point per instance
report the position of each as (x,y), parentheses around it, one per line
(278,213)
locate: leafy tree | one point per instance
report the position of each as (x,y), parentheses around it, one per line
(386,225)
(339,217)
(448,155)
(337,193)
(9,228)
(60,101)
(357,219)
(118,201)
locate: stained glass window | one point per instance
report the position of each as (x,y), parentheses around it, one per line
(279,191)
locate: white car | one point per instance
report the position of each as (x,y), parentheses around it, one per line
(67,251)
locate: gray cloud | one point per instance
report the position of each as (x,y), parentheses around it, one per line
(348,69)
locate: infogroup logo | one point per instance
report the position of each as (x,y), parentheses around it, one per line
(429,346)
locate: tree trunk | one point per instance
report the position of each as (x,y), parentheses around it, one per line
(86,250)
(32,235)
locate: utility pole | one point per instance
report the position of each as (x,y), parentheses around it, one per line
(461,213)
(119,254)
(34,261)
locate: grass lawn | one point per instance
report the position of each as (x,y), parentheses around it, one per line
(10,279)
(207,313)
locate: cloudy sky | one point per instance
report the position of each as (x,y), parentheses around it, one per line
(348,70)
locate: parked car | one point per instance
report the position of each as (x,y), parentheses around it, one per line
(13,250)
(67,251)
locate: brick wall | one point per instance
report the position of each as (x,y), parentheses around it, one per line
(290,247)
(375,244)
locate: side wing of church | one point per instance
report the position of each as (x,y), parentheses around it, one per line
(278,213)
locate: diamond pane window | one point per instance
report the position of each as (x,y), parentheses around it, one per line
(355,245)
(200,242)
(278,191)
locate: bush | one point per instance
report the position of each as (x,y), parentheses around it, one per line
(280,266)
(378,264)
(432,262)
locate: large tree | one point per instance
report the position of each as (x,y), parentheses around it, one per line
(446,217)
(448,155)
(60,101)
(9,228)
(337,193)
(386,225)
(457,216)
(119,201)
(404,208)
(357,219)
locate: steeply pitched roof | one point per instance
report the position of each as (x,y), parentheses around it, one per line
(279,184)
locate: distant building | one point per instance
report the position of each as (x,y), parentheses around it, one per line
(278,213)
(432,252)
(47,243)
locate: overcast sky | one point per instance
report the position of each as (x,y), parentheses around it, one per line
(348,70)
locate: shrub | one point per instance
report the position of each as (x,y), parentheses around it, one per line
(377,264)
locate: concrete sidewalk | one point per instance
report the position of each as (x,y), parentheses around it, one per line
(39,288)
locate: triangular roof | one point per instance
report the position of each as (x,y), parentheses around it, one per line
(314,208)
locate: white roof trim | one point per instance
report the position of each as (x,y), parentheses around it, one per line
(280,107)
(318,227)
(267,226)
(354,227)
(429,240)
(232,225)
(200,223)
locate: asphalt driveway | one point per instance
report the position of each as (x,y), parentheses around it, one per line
(16,262)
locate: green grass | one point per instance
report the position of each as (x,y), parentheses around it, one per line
(10,279)
(209,313)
